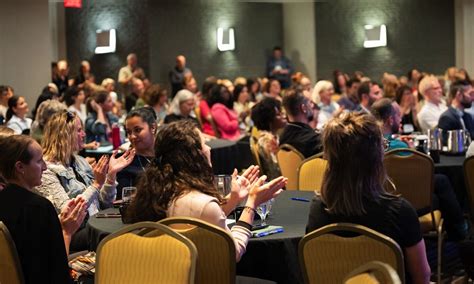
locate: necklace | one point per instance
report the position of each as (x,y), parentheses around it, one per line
(140,161)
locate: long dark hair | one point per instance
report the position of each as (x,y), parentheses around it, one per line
(353,147)
(12,102)
(179,166)
(216,95)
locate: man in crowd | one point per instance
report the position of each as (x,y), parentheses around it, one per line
(178,74)
(138,89)
(455,117)
(128,73)
(350,100)
(297,133)
(368,93)
(61,79)
(279,67)
(430,113)
(388,114)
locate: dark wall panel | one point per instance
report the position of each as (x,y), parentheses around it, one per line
(190,28)
(420,34)
(127,17)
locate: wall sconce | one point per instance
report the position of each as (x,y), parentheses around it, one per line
(375,36)
(105,41)
(230,45)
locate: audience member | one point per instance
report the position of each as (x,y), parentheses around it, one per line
(390,85)
(431,111)
(177,75)
(128,73)
(272,89)
(16,115)
(223,114)
(181,183)
(254,89)
(62,79)
(6,132)
(340,82)
(242,106)
(455,117)
(350,100)
(297,133)
(407,102)
(414,77)
(69,175)
(353,190)
(268,119)
(41,240)
(157,98)
(6,92)
(182,107)
(84,74)
(135,98)
(280,68)
(49,92)
(322,92)
(368,93)
(100,119)
(204,109)
(45,111)
(74,99)
(141,129)
(449,78)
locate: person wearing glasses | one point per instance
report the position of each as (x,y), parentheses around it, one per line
(431,111)
(354,141)
(68,175)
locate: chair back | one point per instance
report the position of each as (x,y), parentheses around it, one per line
(469,179)
(10,268)
(289,160)
(328,254)
(126,257)
(216,249)
(412,174)
(373,272)
(311,173)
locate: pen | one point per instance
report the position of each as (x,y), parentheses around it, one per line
(300,199)
(108,215)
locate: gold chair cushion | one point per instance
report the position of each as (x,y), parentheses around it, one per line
(426,221)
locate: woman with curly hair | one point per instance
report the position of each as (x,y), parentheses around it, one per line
(180,182)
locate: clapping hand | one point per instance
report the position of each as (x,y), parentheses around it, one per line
(72,215)
(117,164)
(261,192)
(100,171)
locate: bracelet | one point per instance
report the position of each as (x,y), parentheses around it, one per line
(251,209)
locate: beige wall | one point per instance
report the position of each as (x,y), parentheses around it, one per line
(299,36)
(25,46)
(464,23)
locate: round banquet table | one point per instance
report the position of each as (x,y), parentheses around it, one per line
(228,155)
(452,167)
(273,257)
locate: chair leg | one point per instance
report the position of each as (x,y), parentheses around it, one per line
(440,250)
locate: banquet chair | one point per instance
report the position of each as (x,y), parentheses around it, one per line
(127,257)
(330,253)
(469,179)
(373,272)
(289,160)
(311,173)
(10,268)
(411,174)
(216,249)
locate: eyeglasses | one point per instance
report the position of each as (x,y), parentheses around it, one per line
(69,116)
(386,144)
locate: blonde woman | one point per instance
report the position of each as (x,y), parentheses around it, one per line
(322,92)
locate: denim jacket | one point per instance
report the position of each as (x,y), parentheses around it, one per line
(60,184)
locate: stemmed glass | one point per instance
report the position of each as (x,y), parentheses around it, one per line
(128,193)
(263,210)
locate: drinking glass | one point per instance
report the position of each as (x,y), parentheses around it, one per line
(263,210)
(223,184)
(128,193)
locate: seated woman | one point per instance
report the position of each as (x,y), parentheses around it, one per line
(407,102)
(321,96)
(180,182)
(74,99)
(41,240)
(268,119)
(157,98)
(242,106)
(204,109)
(272,89)
(69,175)
(353,190)
(100,119)
(16,115)
(141,128)
(223,114)
(45,110)
(182,107)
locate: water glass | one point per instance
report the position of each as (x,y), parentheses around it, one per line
(128,193)
(263,210)
(223,184)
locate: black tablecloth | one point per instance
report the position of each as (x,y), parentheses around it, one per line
(452,167)
(273,257)
(229,155)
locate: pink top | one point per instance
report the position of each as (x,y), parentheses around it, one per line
(205,111)
(202,206)
(227,121)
